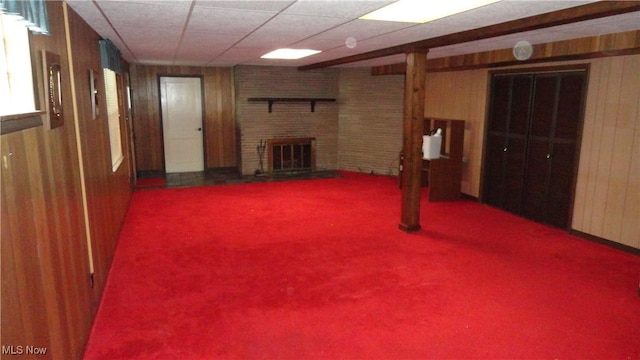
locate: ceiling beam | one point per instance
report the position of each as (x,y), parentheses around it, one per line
(607,45)
(571,15)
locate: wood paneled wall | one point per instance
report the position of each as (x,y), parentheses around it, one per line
(46,294)
(583,48)
(462,96)
(100,181)
(607,200)
(608,190)
(219,117)
(47,298)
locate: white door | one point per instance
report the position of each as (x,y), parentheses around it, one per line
(181,102)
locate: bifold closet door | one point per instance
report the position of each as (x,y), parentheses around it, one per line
(530,154)
(507,142)
(551,151)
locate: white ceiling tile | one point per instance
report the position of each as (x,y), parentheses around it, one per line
(154,53)
(336,8)
(412,34)
(302,25)
(160,38)
(319,44)
(228,32)
(361,29)
(239,55)
(194,58)
(88,11)
(258,5)
(144,15)
(268,42)
(203,51)
(285,30)
(198,40)
(186,3)
(91,14)
(225,21)
(508,10)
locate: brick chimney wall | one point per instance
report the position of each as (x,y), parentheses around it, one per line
(287,120)
(371,112)
(361,131)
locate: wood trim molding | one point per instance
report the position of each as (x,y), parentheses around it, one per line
(542,69)
(575,14)
(626,43)
(609,243)
(391,69)
(18,122)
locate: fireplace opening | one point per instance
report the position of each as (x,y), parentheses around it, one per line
(291,154)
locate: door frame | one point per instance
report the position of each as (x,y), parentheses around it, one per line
(204,128)
(127,104)
(586,67)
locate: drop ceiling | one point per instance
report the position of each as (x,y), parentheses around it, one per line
(229,33)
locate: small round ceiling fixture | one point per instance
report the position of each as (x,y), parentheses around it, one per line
(351,42)
(522,50)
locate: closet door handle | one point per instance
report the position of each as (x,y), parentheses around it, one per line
(504,150)
(548,156)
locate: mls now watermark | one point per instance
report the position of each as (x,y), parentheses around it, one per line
(23,350)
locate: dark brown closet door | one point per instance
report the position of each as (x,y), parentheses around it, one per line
(530,155)
(506,141)
(551,154)
(537,176)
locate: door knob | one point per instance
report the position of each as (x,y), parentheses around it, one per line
(199,129)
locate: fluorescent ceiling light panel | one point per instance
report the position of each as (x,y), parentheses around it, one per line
(422,11)
(289,54)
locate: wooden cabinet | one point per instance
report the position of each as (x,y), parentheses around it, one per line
(443,176)
(532,142)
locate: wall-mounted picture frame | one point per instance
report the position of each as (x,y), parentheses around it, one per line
(52,71)
(94,94)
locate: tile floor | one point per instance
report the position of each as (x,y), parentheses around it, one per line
(233,176)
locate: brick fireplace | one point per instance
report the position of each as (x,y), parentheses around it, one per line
(289,122)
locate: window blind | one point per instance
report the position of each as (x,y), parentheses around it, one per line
(113,117)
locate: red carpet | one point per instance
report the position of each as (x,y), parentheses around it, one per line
(317,269)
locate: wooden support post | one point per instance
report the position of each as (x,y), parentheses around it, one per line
(414,93)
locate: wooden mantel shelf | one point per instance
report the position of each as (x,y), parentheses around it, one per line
(312,101)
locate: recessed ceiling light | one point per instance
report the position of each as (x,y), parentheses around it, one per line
(421,11)
(289,54)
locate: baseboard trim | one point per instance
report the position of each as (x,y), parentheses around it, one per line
(603,241)
(150,173)
(223,169)
(469,197)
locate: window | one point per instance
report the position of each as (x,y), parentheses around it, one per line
(16,82)
(113,117)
